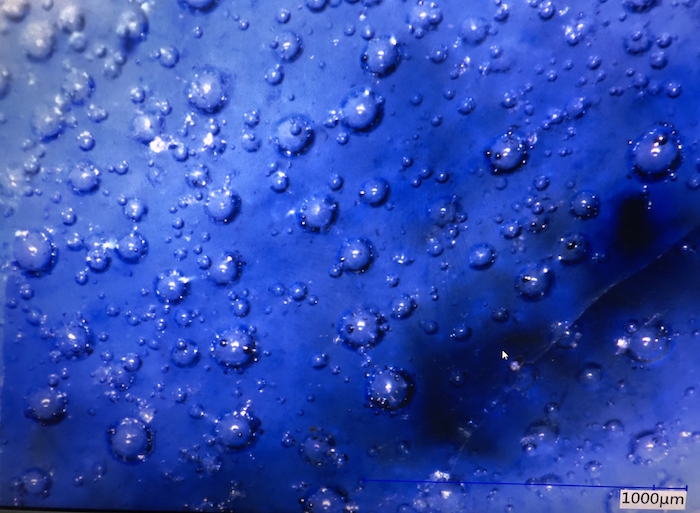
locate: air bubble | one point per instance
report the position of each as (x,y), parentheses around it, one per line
(34,251)
(84,178)
(361,110)
(73,341)
(424,16)
(234,348)
(507,153)
(226,269)
(200,5)
(145,127)
(78,86)
(533,281)
(474,30)
(402,306)
(197,176)
(15,10)
(360,328)
(135,209)
(71,19)
(132,24)
(590,376)
(390,389)
(46,406)
(47,122)
(132,248)
(222,205)
(171,287)
(318,448)
(293,135)
(98,259)
(36,482)
(540,438)
(646,344)
(288,46)
(318,213)
(381,55)
(572,248)
(208,90)
(638,42)
(355,255)
(656,153)
(374,192)
(481,256)
(185,353)
(130,440)
(235,430)
(274,74)
(585,205)
(38,40)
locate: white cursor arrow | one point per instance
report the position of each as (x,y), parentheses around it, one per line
(504,355)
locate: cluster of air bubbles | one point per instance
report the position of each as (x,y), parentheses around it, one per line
(355,255)
(222,205)
(171,287)
(197,176)
(73,341)
(236,430)
(424,16)
(130,440)
(361,328)
(135,209)
(390,389)
(132,248)
(507,153)
(84,178)
(234,348)
(656,153)
(288,46)
(650,446)
(381,55)
(293,135)
(533,281)
(646,343)
(146,126)
(317,213)
(565,335)
(34,251)
(361,110)
(318,449)
(442,492)
(97,258)
(46,405)
(208,90)
(78,86)
(585,205)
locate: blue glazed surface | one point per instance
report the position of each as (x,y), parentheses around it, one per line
(268,256)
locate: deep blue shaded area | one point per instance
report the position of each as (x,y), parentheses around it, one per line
(267,256)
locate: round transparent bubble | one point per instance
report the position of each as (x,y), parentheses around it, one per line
(197,176)
(73,341)
(46,406)
(135,209)
(316,5)
(97,259)
(390,389)
(132,248)
(646,344)
(650,446)
(355,255)
(288,46)
(84,178)
(78,86)
(234,430)
(185,353)
(274,74)
(130,440)
(38,40)
(34,251)
(47,122)
(360,328)
(234,348)
(168,56)
(225,269)
(36,482)
(298,291)
(361,110)
(572,248)
(131,362)
(200,5)
(402,306)
(318,448)
(293,135)
(481,256)
(325,500)
(533,281)
(507,153)
(132,24)
(16,10)
(656,153)
(374,192)
(540,438)
(381,55)
(440,497)
(145,127)
(71,19)
(591,376)
(222,205)
(208,90)
(318,213)
(424,16)
(443,212)
(474,30)
(585,205)
(638,42)
(171,287)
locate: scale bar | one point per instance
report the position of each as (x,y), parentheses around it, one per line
(505,483)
